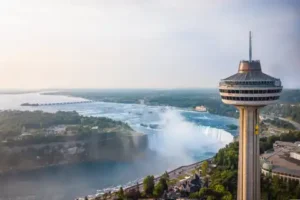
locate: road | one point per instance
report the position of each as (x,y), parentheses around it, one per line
(296,124)
(174,174)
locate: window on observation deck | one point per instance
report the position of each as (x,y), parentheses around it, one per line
(271,98)
(250,91)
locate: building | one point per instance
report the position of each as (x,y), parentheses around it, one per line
(200,108)
(287,146)
(249,90)
(283,162)
(295,155)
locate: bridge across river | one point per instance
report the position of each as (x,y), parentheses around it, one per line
(57,103)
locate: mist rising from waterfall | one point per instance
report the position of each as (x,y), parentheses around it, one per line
(179,137)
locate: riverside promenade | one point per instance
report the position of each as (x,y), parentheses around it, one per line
(173,174)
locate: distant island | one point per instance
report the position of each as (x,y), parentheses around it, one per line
(13,91)
(56,103)
(31,140)
(29,104)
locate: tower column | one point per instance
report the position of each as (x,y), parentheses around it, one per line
(249,164)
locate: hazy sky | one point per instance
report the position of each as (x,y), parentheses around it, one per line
(144,43)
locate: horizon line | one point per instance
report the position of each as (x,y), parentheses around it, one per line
(92,88)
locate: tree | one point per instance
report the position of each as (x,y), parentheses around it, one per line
(204,168)
(194,195)
(219,188)
(148,185)
(210,193)
(161,186)
(205,184)
(275,186)
(202,192)
(298,191)
(121,193)
(227,196)
(158,190)
(164,183)
(166,176)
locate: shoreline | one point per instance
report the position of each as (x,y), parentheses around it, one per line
(173,171)
(140,183)
(12,172)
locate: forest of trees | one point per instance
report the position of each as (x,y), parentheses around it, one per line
(225,173)
(284,110)
(271,187)
(280,123)
(290,96)
(287,107)
(266,143)
(12,123)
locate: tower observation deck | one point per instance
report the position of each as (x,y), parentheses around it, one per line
(249,90)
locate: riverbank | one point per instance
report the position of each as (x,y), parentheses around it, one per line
(78,157)
(33,157)
(33,140)
(173,175)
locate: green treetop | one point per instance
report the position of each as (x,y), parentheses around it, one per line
(148,185)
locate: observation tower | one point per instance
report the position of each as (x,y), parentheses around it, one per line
(249,90)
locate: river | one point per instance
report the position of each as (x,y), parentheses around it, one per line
(176,136)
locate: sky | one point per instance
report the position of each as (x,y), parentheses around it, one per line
(144,43)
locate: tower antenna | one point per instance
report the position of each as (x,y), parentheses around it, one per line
(250,47)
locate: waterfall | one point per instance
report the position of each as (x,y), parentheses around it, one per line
(218,134)
(179,137)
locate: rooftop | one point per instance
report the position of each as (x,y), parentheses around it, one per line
(297,150)
(285,145)
(283,163)
(251,76)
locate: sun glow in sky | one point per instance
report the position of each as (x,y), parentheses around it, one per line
(144,43)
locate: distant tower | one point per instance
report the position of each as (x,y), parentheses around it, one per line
(249,90)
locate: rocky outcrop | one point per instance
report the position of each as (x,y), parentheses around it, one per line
(102,147)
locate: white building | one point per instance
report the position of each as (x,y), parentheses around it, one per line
(279,162)
(295,155)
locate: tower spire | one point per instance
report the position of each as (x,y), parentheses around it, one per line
(250,47)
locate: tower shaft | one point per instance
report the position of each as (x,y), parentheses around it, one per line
(249,164)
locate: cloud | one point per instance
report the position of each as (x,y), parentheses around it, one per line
(143,43)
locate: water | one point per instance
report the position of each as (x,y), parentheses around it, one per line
(176,137)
